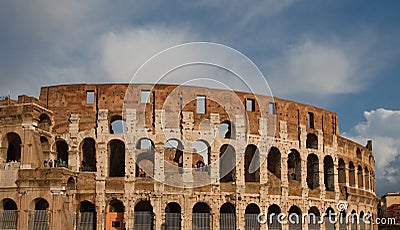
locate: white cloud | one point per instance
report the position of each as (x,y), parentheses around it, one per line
(383,127)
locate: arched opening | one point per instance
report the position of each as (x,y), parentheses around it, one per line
(87,213)
(13,147)
(251,217)
(312,141)
(115,215)
(173,149)
(117,125)
(366,174)
(358,153)
(143,215)
(201,216)
(341,172)
(274,162)
(71,185)
(329,219)
(252,164)
(44,143)
(173,216)
(62,153)
(294,165)
(353,220)
(329,180)
(352,174)
(294,218)
(88,156)
(342,221)
(116,149)
(227,163)
(227,217)
(8,214)
(145,159)
(362,223)
(202,148)
(360,177)
(273,221)
(312,171)
(226,130)
(44,122)
(313,218)
(40,214)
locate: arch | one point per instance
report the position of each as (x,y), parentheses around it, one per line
(252,164)
(312,171)
(145,164)
(87,213)
(273,222)
(329,172)
(330,219)
(313,218)
(116,150)
(71,185)
(251,217)
(295,218)
(173,149)
(352,174)
(145,144)
(227,130)
(227,163)
(44,144)
(312,141)
(342,220)
(360,177)
(203,148)
(143,215)
(227,216)
(358,153)
(201,216)
(366,174)
(117,125)
(8,204)
(173,216)
(294,165)
(62,153)
(341,171)
(88,155)
(40,214)
(13,143)
(362,223)
(44,122)
(354,221)
(115,215)
(274,162)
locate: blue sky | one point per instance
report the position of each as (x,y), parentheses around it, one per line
(339,55)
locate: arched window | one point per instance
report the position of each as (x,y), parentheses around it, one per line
(87,212)
(352,174)
(145,159)
(274,162)
(44,143)
(173,149)
(353,220)
(251,217)
(226,130)
(13,141)
(362,223)
(71,184)
(360,177)
(44,122)
(117,125)
(227,216)
(62,153)
(227,163)
(252,164)
(313,218)
(115,215)
(203,149)
(312,141)
(88,156)
(40,214)
(329,219)
(9,215)
(358,153)
(312,171)
(201,216)
(273,222)
(366,174)
(295,222)
(116,149)
(341,171)
(143,215)
(329,180)
(294,165)
(173,216)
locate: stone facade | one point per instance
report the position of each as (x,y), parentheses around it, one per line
(67,164)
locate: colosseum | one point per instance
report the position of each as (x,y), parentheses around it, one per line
(121,156)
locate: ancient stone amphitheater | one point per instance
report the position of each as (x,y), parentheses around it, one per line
(120,156)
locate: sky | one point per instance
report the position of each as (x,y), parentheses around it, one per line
(339,55)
